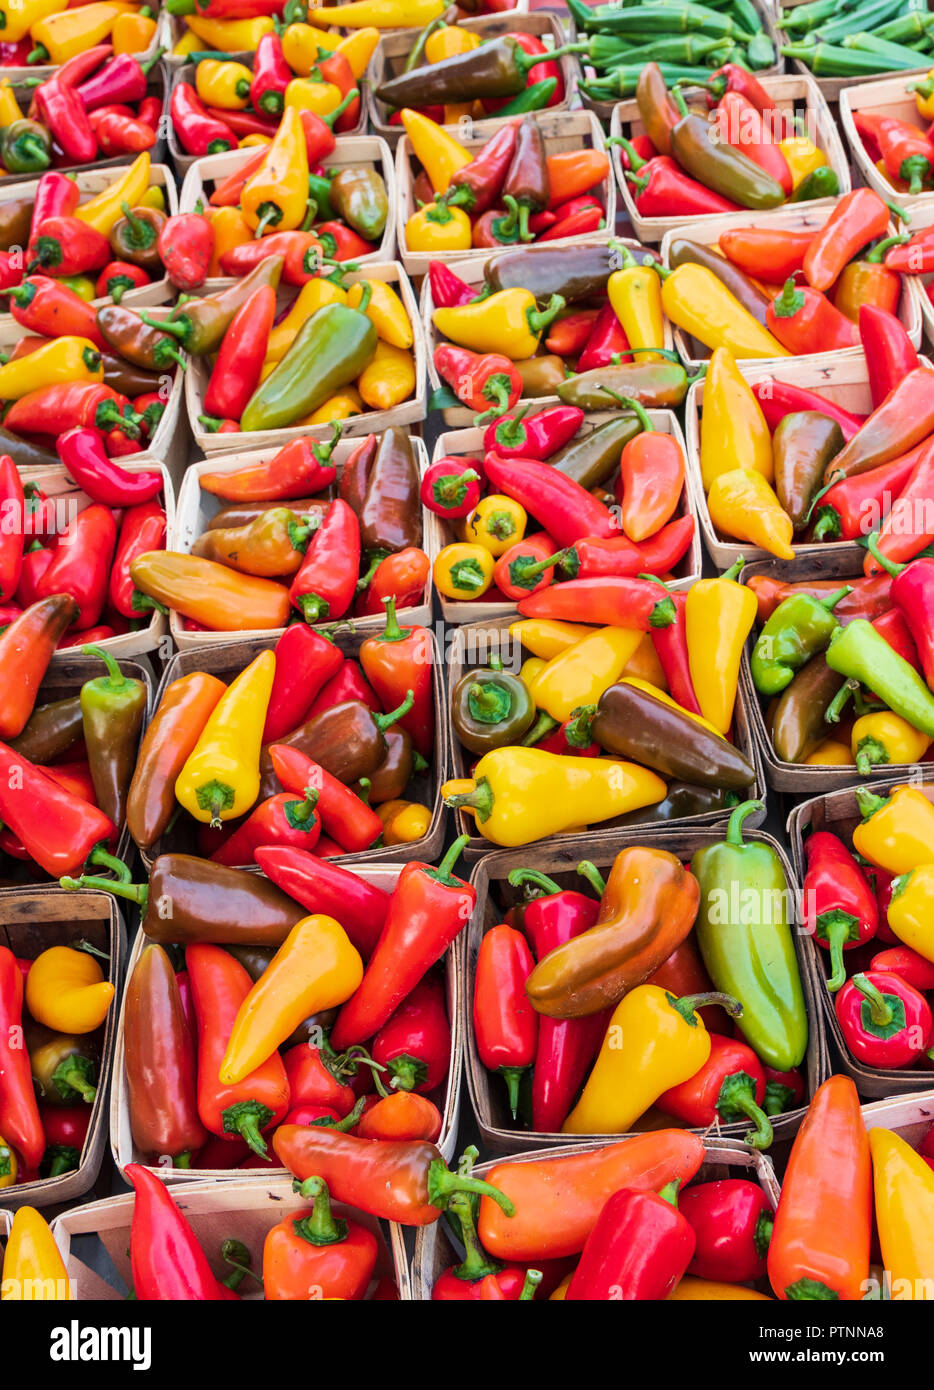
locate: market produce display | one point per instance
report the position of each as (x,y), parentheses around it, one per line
(857,40)
(42,32)
(900,149)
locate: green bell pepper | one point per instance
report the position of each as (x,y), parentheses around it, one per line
(800,627)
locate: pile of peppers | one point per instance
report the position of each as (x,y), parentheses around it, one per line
(51,32)
(901,150)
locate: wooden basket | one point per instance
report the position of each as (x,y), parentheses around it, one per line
(230,659)
(195,509)
(446,1098)
(471,272)
(563,130)
(246,1210)
(843,379)
(467,443)
(839,813)
(802,217)
(837,563)
(393,49)
(369,422)
(922,217)
(791,95)
(435,1251)
(365,151)
(32,920)
(890,98)
(834,87)
(472,646)
(55,482)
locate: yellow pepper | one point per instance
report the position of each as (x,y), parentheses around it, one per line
(231,35)
(339,407)
(448,41)
(57,360)
(496,522)
(802,157)
(252,142)
(635,293)
(312,94)
(903,1192)
(229,230)
(317,967)
(300,44)
(220,780)
(700,304)
(358,48)
(436,227)
(223,84)
(645,666)
(403,821)
(33,1269)
(154,197)
(560,1293)
(531,669)
(9,106)
(66,990)
(580,675)
(389,377)
(743,505)
(885,737)
(439,153)
(463,571)
(380,14)
(830,753)
(653,1042)
(104,211)
(8,1165)
(509,322)
(924,96)
(277,194)
(64,35)
(911,909)
(547,637)
(132,33)
(523,794)
(718,615)
(20,15)
(897,831)
(312,296)
(693,1290)
(188,43)
(733,429)
(385,311)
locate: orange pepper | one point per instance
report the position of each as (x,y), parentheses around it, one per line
(572,172)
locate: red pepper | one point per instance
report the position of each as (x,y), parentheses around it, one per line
(804,321)
(428,909)
(119,276)
(280,820)
(839,905)
(732,1223)
(401,1115)
(327,888)
(341,243)
(671,648)
(732,78)
(66,1129)
(67,246)
(227,191)
(60,108)
(662,189)
(909,526)
(271,76)
(447,289)
(613,601)
(915,257)
(415,1044)
(36,560)
(305,661)
(475,1278)
(740,124)
(642,144)
(568,336)
(650,481)
(729,1086)
(61,831)
(150,408)
(536,437)
(301,253)
(527,566)
(56,196)
(20,1124)
(487,382)
(239,364)
(219,985)
(397,662)
(75,778)
(505,1024)
(142,529)
(83,457)
(343,816)
(914,969)
(618,555)
(857,218)
(893,627)
(326,582)
(81,564)
(779,398)
(570,739)
(847,507)
(198,133)
(451,488)
(186,244)
(335,68)
(885,1021)
(907,153)
(477,186)
(301,468)
(567,510)
(890,354)
(913,595)
(769,254)
(26,648)
(401,577)
(44,306)
(884,883)
(639,1248)
(13,510)
(123,79)
(118,132)
(579,223)
(12,268)
(784,1090)
(244,122)
(150,112)
(316,1078)
(349,684)
(311,1254)
(166,1261)
(606,341)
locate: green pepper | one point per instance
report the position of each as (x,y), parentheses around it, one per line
(331,348)
(819,183)
(746,941)
(200,324)
(653,384)
(800,627)
(319,193)
(859,653)
(534,98)
(719,166)
(490,709)
(50,730)
(358,195)
(25,148)
(800,722)
(112,710)
(803,445)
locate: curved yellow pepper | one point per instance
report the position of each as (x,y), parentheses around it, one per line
(276,196)
(388,379)
(223,84)
(733,429)
(700,304)
(380,14)
(385,311)
(188,43)
(20,15)
(652,1043)
(635,293)
(579,675)
(897,834)
(830,753)
(496,522)
(231,35)
(911,909)
(229,230)
(547,637)
(644,666)
(340,407)
(358,48)
(885,737)
(59,359)
(300,44)
(436,227)
(9,106)
(220,780)
(69,32)
(509,322)
(66,990)
(802,157)
(694,1290)
(449,40)
(104,211)
(903,1190)
(925,103)
(523,794)
(439,153)
(317,967)
(33,1269)
(312,296)
(403,821)
(463,571)
(252,142)
(743,505)
(718,615)
(531,670)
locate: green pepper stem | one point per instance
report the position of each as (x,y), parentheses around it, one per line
(533,1277)
(115,680)
(835,708)
(102,857)
(869,803)
(477,1264)
(734,833)
(836,928)
(669,1193)
(592,875)
(890,566)
(874,257)
(831,602)
(513,1077)
(735,570)
(444,873)
(879,1011)
(539,319)
(540,729)
(688,1005)
(383,721)
(526,878)
(480,800)
(443,1184)
(392,632)
(321,1228)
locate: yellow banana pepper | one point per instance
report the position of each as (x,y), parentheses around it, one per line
(911,909)
(388,379)
(439,153)
(580,675)
(694,1290)
(733,429)
(897,832)
(358,48)
(311,297)
(802,157)
(33,1269)
(220,780)
(463,571)
(188,43)
(560,1292)
(59,359)
(885,737)
(743,505)
(223,84)
(636,296)
(547,637)
(229,230)
(300,44)
(252,142)
(20,15)
(903,1191)
(104,211)
(496,522)
(132,33)
(830,753)
(9,106)
(312,93)
(700,304)
(718,615)
(524,794)
(64,35)
(231,35)
(509,322)
(154,197)
(653,1042)
(380,14)
(531,669)
(277,194)
(340,407)
(403,821)
(385,310)
(9,1168)
(448,41)
(436,227)
(66,990)
(317,967)
(645,667)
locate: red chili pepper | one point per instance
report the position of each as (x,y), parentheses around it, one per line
(451,487)
(415,1044)
(327,888)
(519,435)
(75,778)
(505,1024)
(61,109)
(780,398)
(908,527)
(606,341)
(340,243)
(398,661)
(305,661)
(150,112)
(804,321)
(740,124)
(123,79)
(67,246)
(732,1223)
(271,76)
(56,196)
(856,503)
(447,289)
(857,218)
(567,510)
(301,253)
(671,648)
(487,382)
(840,909)
(913,595)
(117,132)
(244,122)
(729,1086)
(885,1021)
(401,577)
(301,468)
(119,276)
(890,354)
(568,336)
(906,151)
(142,529)
(166,1261)
(639,1248)
(83,457)
(36,560)
(20,1124)
(618,555)
(867,127)
(343,816)
(12,267)
(198,133)
(12,532)
(915,257)
(186,244)
(239,364)
(336,69)
(732,78)
(662,189)
(81,563)
(914,969)
(150,408)
(279,820)
(61,831)
(650,482)
(579,223)
(44,306)
(349,684)
(893,627)
(570,739)
(613,601)
(476,187)
(325,584)
(26,648)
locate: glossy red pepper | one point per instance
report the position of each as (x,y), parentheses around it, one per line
(301,468)
(913,968)
(326,582)
(906,151)
(804,321)
(857,218)
(906,530)
(592,558)
(401,577)
(447,289)
(566,510)
(117,277)
(414,1045)
(568,336)
(844,509)
(166,1261)
(890,354)
(485,382)
(349,684)
(740,124)
(80,566)
(66,1129)
(117,131)
(607,340)
(397,661)
(451,488)
(732,1223)
(305,662)
(784,1090)
(311,1254)
(885,1021)
(341,243)
(83,457)
(505,1024)
(780,398)
(12,533)
(271,76)
(639,1248)
(614,601)
(20,1124)
(733,78)
(62,111)
(320,887)
(54,310)
(476,187)
(51,410)
(239,364)
(840,909)
(61,831)
(198,133)
(142,529)
(527,566)
(343,816)
(279,820)
(662,189)
(519,435)
(315,1079)
(671,648)
(730,1086)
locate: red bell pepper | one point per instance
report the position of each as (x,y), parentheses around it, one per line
(885,1021)
(732,1223)
(271,76)
(316,1078)
(804,321)
(198,133)
(451,488)
(907,153)
(639,1248)
(166,1261)
(117,277)
(729,1086)
(280,820)
(117,131)
(61,109)
(361,907)
(913,968)
(840,909)
(54,310)
(533,437)
(890,354)
(142,529)
(66,1129)
(415,1044)
(398,661)
(487,382)
(401,577)
(505,1024)
(784,1090)
(566,510)
(447,289)
(343,816)
(239,364)
(326,582)
(20,1124)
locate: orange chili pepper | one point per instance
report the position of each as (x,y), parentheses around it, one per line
(572,172)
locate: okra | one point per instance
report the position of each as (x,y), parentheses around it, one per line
(623,80)
(913,25)
(803,18)
(760,51)
(896,55)
(673,48)
(666,19)
(863,19)
(830,60)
